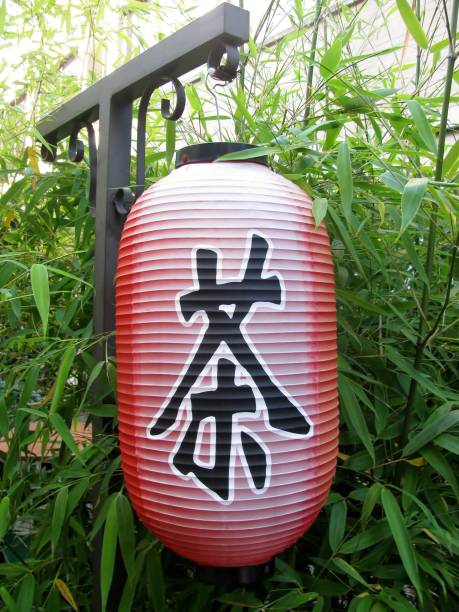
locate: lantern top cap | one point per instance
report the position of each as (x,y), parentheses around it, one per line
(210,151)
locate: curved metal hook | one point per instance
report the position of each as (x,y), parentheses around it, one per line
(76,154)
(228,70)
(49,154)
(166,112)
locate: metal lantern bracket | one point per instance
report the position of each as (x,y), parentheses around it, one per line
(216,34)
(212,38)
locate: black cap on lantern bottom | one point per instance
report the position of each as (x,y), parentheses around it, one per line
(207,152)
(235,576)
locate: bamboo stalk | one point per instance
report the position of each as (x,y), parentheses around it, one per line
(315,33)
(431,243)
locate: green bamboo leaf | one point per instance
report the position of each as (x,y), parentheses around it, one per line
(319,210)
(2,16)
(286,573)
(242,599)
(26,593)
(29,386)
(371,499)
(448,442)
(251,153)
(441,465)
(353,414)
(351,297)
(344,566)
(61,427)
(171,127)
(68,275)
(412,23)
(299,9)
(441,44)
(292,601)
(107,561)
(156,586)
(57,521)
(431,431)
(91,380)
(345,179)
(8,600)
(127,533)
(451,161)
(412,196)
(62,376)
(422,125)
(4,516)
(40,290)
(4,420)
(331,58)
(337,524)
(366,539)
(401,537)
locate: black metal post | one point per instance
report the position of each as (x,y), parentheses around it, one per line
(207,39)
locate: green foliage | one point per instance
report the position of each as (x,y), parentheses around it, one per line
(363,141)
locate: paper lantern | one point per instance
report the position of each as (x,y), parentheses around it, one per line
(226,360)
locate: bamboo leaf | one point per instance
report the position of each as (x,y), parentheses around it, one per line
(126,533)
(412,23)
(243,599)
(8,600)
(422,125)
(337,524)
(354,415)
(61,427)
(412,196)
(66,593)
(156,584)
(4,516)
(345,179)
(62,376)
(366,539)
(251,153)
(319,210)
(299,9)
(401,537)
(40,290)
(448,442)
(26,593)
(286,573)
(107,562)
(451,161)
(91,380)
(344,566)
(292,601)
(2,16)
(441,465)
(60,507)
(431,431)
(331,58)
(371,499)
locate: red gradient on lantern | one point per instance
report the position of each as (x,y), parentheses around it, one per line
(218,205)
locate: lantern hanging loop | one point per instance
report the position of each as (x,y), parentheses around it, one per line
(211,90)
(166,112)
(76,154)
(227,70)
(48,151)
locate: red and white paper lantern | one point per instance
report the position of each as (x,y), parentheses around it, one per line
(226,360)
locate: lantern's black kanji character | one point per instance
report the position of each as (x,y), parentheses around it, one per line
(226,306)
(221,404)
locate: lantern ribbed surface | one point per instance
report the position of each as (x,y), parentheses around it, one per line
(226,362)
